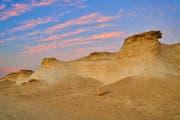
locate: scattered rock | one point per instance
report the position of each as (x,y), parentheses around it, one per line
(101,91)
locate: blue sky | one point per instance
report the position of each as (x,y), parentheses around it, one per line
(68,29)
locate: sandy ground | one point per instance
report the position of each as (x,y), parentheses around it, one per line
(133,98)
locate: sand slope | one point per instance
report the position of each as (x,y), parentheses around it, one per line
(137,98)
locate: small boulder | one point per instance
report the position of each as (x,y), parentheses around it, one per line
(101,91)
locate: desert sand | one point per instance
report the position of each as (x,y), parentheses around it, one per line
(141,81)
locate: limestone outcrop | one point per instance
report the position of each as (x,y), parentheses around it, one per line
(141,54)
(18,77)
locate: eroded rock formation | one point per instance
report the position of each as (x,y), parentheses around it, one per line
(141,54)
(18,77)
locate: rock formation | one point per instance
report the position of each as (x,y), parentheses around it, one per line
(140,54)
(18,77)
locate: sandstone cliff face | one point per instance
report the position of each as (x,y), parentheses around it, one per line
(140,48)
(49,62)
(141,54)
(99,56)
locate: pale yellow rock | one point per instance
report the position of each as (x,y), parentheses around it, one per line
(101,91)
(140,54)
(19,77)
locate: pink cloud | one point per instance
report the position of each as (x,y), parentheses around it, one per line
(2,34)
(2,41)
(2,6)
(67,1)
(107,35)
(81,52)
(42,2)
(4,71)
(33,33)
(95,49)
(78,31)
(49,46)
(73,33)
(86,19)
(16,10)
(75,2)
(102,26)
(51,38)
(83,6)
(72,42)
(10,39)
(80,40)
(39,48)
(31,23)
(60,36)
(104,19)
(7,39)
(91,39)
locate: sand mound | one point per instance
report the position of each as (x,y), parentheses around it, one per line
(155,96)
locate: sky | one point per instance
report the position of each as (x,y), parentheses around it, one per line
(31,30)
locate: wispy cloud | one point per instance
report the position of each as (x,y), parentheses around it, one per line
(38,36)
(39,48)
(2,7)
(71,44)
(33,33)
(104,19)
(106,35)
(31,23)
(80,52)
(102,26)
(42,2)
(92,39)
(53,37)
(2,34)
(86,19)
(60,36)
(7,70)
(16,10)
(64,13)
(78,3)
(95,48)
(7,39)
(10,39)
(19,8)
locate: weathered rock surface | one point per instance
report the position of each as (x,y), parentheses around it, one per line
(140,54)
